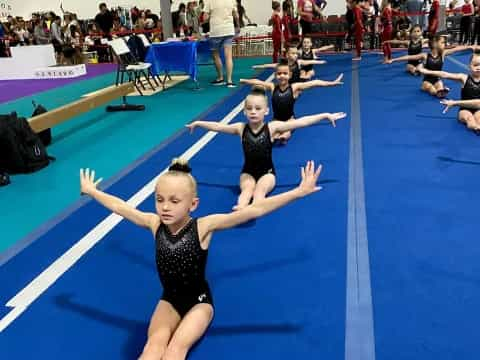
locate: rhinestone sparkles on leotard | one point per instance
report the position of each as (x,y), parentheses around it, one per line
(307,56)
(283,103)
(180,259)
(415,48)
(257,150)
(434,64)
(295,70)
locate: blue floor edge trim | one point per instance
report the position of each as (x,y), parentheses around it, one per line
(23,243)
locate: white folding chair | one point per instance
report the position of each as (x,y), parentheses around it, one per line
(127,64)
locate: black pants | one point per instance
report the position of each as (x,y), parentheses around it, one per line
(476,31)
(306,27)
(465,29)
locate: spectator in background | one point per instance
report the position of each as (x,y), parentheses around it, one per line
(276,31)
(286,23)
(476,27)
(306,9)
(104,19)
(204,23)
(41,33)
(154,17)
(293,18)
(181,24)
(57,37)
(242,14)
(433,17)
(222,14)
(466,22)
(192,19)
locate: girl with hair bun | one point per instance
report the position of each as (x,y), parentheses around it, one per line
(185,310)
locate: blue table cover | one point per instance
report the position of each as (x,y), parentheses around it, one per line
(174,56)
(181,56)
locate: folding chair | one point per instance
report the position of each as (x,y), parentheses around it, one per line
(147,44)
(127,64)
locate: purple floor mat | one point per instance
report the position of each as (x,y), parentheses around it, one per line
(14,89)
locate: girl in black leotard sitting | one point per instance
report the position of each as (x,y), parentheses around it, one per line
(295,64)
(469,112)
(186,308)
(285,94)
(433,61)
(308,53)
(414,45)
(257,177)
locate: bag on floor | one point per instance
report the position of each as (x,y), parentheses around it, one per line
(4,179)
(21,149)
(45,135)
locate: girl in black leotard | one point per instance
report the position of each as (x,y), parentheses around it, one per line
(285,94)
(294,63)
(257,178)
(414,47)
(433,61)
(186,308)
(307,54)
(469,112)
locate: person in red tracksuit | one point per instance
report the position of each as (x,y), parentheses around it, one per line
(433,17)
(358,27)
(276,31)
(286,23)
(387,22)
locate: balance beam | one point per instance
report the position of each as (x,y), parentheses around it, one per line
(57,116)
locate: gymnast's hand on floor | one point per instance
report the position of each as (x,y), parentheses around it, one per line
(309,179)
(339,79)
(87,181)
(448,104)
(336,116)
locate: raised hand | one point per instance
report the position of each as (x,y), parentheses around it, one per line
(87,181)
(310,176)
(336,116)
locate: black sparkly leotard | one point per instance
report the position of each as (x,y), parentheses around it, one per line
(470,91)
(415,48)
(283,103)
(307,56)
(257,150)
(181,266)
(434,64)
(295,70)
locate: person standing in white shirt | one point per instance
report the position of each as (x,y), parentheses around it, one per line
(221,14)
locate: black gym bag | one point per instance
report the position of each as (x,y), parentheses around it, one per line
(21,149)
(45,135)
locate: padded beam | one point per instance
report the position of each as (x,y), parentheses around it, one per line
(63,113)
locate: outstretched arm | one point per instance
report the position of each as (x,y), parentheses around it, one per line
(470,104)
(323,48)
(456,49)
(277,127)
(317,83)
(307,186)
(232,129)
(443,74)
(421,56)
(397,42)
(265,66)
(88,186)
(302,62)
(257,82)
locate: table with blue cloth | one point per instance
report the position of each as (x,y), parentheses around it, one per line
(179,56)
